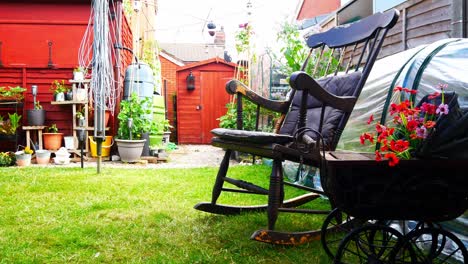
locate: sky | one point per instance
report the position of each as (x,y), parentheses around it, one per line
(184,21)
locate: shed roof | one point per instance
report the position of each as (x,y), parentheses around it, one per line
(204,62)
(192,52)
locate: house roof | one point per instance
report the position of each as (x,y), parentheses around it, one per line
(212,60)
(192,52)
(171,58)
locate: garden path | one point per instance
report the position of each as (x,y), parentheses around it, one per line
(185,156)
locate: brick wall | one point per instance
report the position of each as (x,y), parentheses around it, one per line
(168,76)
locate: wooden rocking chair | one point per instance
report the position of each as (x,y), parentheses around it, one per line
(313,119)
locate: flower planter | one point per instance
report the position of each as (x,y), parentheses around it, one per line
(78,76)
(130,150)
(430,190)
(52,141)
(36,117)
(22,159)
(69,96)
(42,156)
(60,97)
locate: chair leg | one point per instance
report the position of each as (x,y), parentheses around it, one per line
(276,193)
(223,168)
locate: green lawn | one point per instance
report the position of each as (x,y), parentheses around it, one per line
(57,215)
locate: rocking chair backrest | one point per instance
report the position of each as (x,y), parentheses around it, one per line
(350,50)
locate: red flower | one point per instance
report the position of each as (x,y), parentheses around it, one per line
(379,128)
(412,125)
(378,156)
(392,159)
(398,89)
(430,109)
(394,108)
(399,145)
(384,145)
(371,118)
(406,90)
(429,124)
(366,136)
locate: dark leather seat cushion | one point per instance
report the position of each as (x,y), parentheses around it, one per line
(251,136)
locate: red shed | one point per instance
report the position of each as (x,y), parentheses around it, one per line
(198,109)
(39,43)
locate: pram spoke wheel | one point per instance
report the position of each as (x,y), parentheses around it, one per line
(335,227)
(430,245)
(368,244)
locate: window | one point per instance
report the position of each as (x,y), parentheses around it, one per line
(382,5)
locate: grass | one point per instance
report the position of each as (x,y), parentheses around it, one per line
(57,215)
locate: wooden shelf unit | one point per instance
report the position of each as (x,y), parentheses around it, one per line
(78,105)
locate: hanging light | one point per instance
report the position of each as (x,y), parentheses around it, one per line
(190,82)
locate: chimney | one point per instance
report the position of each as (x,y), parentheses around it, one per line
(220,37)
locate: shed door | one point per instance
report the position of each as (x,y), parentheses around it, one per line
(213,101)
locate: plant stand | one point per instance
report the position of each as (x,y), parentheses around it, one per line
(38,130)
(78,105)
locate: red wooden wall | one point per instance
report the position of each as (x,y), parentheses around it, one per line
(197,110)
(26,29)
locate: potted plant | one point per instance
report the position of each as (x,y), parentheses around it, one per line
(134,120)
(59,89)
(12,93)
(23,157)
(79,73)
(80,117)
(167,131)
(36,116)
(52,138)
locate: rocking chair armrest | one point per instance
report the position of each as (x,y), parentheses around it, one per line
(302,81)
(235,86)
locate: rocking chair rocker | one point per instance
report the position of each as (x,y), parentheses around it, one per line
(312,120)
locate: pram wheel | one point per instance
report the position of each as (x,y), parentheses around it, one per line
(335,227)
(368,244)
(430,245)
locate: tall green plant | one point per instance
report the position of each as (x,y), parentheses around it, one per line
(293,51)
(15,122)
(139,111)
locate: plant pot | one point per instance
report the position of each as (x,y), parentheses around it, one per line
(155,141)
(130,150)
(78,76)
(52,141)
(106,117)
(60,97)
(166,137)
(69,96)
(36,117)
(22,159)
(42,156)
(81,94)
(81,122)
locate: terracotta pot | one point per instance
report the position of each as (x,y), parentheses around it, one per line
(52,141)
(106,118)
